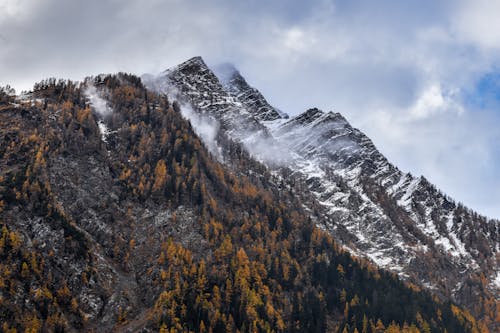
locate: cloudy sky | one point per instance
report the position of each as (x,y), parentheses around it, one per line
(421,78)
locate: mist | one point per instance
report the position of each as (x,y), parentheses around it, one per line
(99,104)
(204,126)
(268,149)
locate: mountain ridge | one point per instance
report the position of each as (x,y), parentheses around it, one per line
(394,218)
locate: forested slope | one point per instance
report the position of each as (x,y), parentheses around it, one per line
(121,220)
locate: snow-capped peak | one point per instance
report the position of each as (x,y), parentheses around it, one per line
(399,221)
(195,63)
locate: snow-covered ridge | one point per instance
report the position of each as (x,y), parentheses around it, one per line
(393,217)
(401,222)
(195,85)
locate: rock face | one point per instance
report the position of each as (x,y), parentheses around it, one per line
(399,221)
(251,98)
(193,82)
(392,217)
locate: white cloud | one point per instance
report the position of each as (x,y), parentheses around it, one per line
(12,7)
(477,22)
(297,40)
(433,100)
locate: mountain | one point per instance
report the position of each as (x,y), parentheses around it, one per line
(117,216)
(387,210)
(400,222)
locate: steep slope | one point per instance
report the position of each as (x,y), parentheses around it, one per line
(399,221)
(195,86)
(194,83)
(251,98)
(396,219)
(114,217)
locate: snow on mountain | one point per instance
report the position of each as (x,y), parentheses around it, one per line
(392,217)
(401,222)
(251,98)
(194,83)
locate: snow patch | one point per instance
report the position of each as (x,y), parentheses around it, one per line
(496,280)
(104,130)
(405,200)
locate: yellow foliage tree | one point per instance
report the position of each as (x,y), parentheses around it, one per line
(160,176)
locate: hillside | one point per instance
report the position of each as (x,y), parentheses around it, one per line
(115,217)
